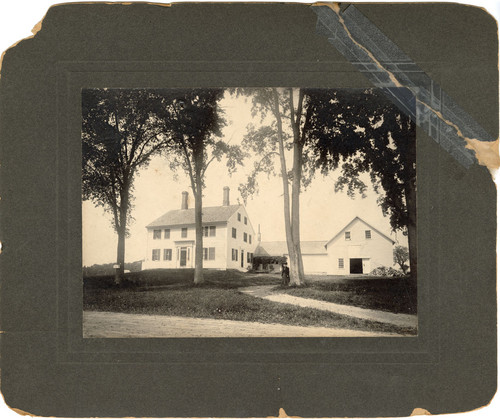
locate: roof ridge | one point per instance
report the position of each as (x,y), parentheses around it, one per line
(213,214)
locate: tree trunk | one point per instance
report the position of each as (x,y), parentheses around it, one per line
(120,257)
(122,232)
(411,203)
(198,207)
(198,259)
(296,218)
(294,269)
(296,183)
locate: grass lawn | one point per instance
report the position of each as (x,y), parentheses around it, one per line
(171,292)
(392,294)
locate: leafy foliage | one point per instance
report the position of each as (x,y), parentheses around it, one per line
(193,122)
(120,134)
(367,134)
(386,272)
(401,256)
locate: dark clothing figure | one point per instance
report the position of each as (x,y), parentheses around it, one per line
(285,275)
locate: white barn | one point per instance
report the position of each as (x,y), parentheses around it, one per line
(358,248)
(228,241)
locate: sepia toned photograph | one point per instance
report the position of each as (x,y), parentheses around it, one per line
(247,212)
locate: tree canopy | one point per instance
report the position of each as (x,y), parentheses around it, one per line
(120,134)
(368,134)
(193,122)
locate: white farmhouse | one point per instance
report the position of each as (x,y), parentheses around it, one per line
(228,237)
(358,248)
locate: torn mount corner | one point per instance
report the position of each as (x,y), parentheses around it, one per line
(390,69)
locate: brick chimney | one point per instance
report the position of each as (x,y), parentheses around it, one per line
(184,203)
(225,198)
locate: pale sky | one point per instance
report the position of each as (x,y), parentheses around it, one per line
(323,212)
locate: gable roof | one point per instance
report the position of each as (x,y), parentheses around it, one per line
(279,248)
(366,223)
(186,217)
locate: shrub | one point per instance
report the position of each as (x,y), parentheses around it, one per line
(386,272)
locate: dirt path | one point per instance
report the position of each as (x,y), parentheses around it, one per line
(119,325)
(266,292)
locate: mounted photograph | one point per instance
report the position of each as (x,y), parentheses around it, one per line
(248,212)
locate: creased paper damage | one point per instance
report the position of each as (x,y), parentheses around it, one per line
(388,68)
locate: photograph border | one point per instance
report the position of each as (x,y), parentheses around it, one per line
(75,76)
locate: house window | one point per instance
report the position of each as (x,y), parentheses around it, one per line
(341,263)
(246,220)
(234,255)
(209,231)
(249,257)
(239,217)
(245,237)
(157,234)
(249,239)
(166,233)
(348,236)
(184,232)
(234,233)
(156,254)
(167,254)
(209,253)
(368,234)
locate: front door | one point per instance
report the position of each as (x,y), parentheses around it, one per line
(242,255)
(356,266)
(183,257)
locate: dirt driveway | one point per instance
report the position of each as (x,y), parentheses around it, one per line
(119,325)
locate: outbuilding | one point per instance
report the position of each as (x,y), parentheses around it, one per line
(357,248)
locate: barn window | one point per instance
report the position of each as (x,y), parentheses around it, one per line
(341,263)
(348,236)
(157,234)
(368,234)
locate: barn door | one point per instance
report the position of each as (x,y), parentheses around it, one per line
(356,266)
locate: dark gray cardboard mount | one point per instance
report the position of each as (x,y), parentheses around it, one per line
(48,369)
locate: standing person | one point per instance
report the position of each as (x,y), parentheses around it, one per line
(285,274)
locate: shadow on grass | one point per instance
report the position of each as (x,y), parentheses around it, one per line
(392,294)
(172,292)
(180,278)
